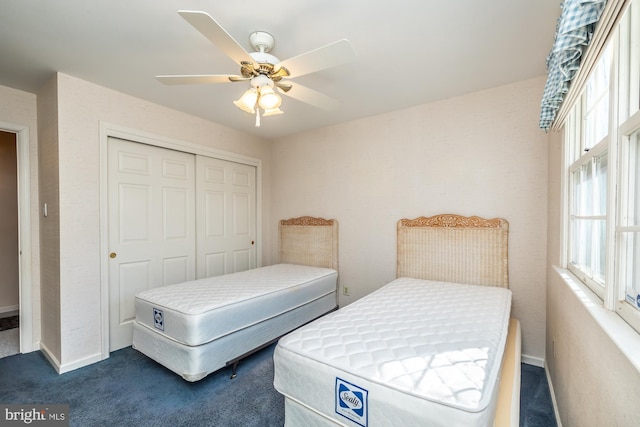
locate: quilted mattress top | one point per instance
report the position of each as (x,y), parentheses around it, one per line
(438,341)
(202,295)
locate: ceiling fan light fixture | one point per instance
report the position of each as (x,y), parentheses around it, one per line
(247,101)
(272,112)
(269,100)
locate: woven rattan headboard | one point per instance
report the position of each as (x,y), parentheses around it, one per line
(453,248)
(309,241)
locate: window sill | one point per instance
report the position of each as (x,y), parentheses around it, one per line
(626,339)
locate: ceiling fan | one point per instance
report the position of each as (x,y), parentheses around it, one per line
(264,71)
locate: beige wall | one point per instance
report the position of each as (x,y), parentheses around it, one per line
(51,302)
(9,278)
(478,154)
(594,383)
(81,108)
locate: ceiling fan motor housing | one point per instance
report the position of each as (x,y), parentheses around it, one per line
(264,58)
(261,41)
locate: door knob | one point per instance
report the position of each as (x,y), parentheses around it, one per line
(113,255)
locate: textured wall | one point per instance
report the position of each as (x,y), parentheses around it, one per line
(50,226)
(478,154)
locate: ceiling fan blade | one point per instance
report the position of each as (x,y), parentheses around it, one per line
(285,87)
(311,97)
(198,79)
(331,55)
(208,26)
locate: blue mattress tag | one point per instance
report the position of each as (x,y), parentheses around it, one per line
(352,402)
(158,319)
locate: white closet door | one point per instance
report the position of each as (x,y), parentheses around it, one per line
(151,199)
(226,217)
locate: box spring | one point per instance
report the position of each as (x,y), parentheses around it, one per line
(195,328)
(195,362)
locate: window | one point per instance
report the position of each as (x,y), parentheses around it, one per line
(588,219)
(588,179)
(602,131)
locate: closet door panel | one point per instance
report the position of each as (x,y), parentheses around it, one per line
(151,209)
(226,216)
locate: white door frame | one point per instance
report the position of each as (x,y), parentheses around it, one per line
(24,233)
(108,130)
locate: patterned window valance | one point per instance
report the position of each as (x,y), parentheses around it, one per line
(573,33)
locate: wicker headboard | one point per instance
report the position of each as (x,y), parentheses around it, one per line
(309,241)
(453,248)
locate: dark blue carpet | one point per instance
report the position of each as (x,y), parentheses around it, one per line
(129,389)
(536,407)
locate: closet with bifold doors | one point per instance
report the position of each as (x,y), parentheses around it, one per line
(173,216)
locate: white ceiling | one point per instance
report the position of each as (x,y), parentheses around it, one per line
(410,52)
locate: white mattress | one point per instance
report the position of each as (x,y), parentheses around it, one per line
(414,352)
(200,311)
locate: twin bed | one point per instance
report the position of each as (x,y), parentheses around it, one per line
(197,327)
(434,347)
(425,349)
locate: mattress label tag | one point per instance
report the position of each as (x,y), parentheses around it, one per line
(158,319)
(352,402)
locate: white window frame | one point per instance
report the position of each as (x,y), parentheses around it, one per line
(624,121)
(595,152)
(629,313)
(579,155)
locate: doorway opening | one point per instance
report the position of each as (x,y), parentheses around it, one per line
(9,246)
(20,159)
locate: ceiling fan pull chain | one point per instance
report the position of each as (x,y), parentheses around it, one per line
(257,117)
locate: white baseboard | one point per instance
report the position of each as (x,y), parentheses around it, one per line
(89,360)
(50,357)
(531,360)
(553,399)
(9,310)
(68,367)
